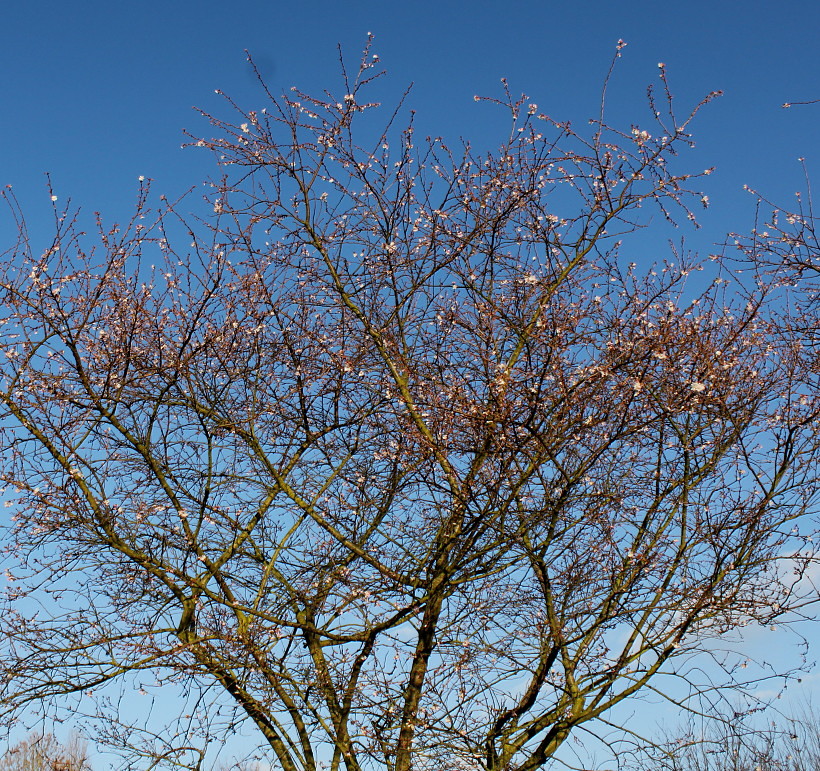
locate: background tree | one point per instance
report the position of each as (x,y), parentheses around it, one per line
(739,742)
(43,752)
(397,455)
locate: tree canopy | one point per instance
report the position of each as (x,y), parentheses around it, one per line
(399,454)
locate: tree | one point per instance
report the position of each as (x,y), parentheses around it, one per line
(395,455)
(42,752)
(789,743)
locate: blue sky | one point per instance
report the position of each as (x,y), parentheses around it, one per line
(97,93)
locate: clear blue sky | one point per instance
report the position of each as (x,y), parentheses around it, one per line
(97,93)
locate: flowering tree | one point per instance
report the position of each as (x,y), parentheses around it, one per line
(396,456)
